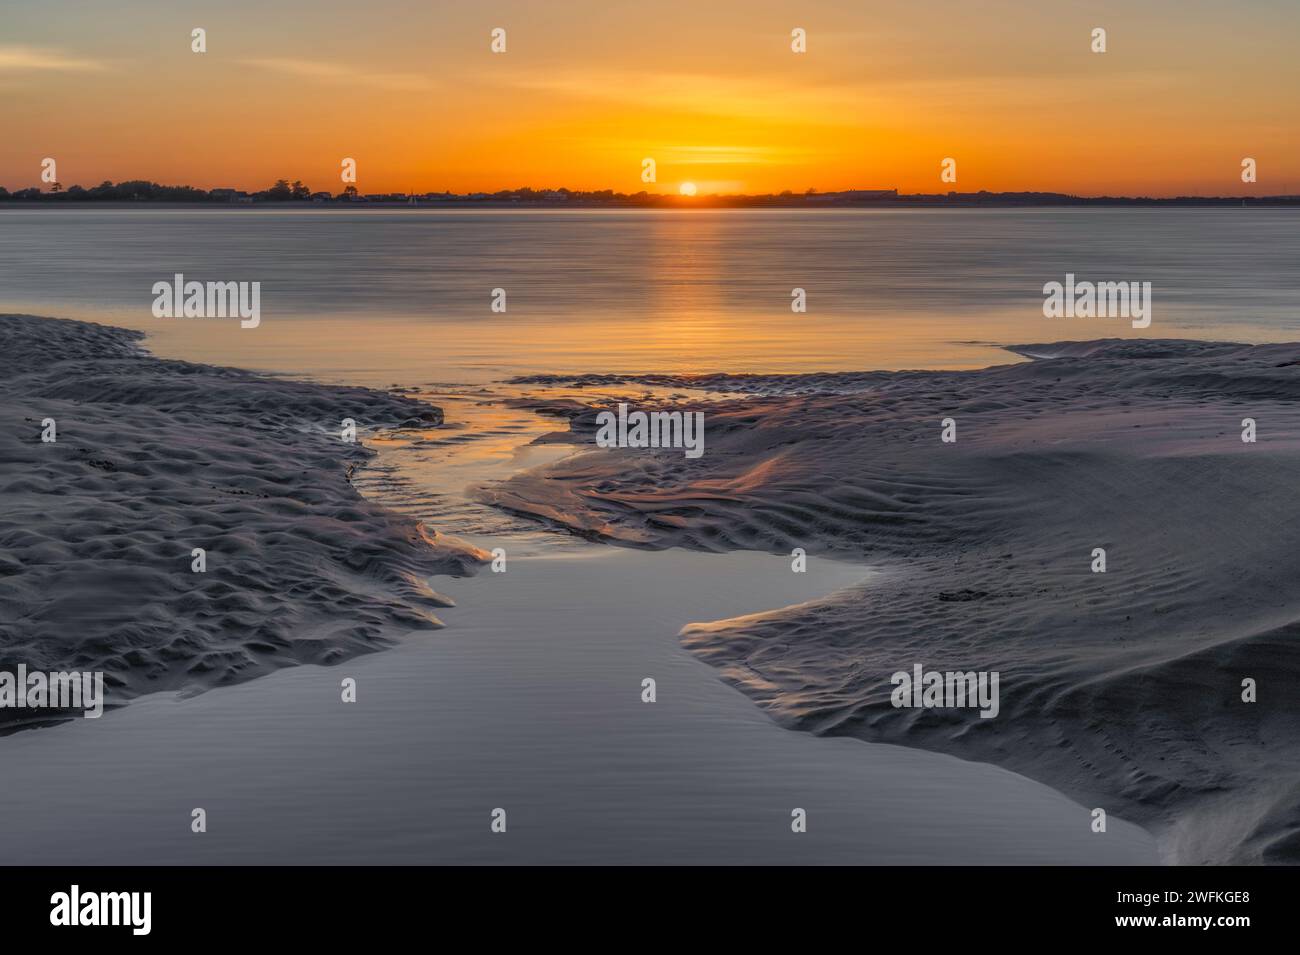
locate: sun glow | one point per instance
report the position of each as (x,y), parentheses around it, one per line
(687,189)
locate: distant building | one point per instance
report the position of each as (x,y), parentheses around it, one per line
(228,195)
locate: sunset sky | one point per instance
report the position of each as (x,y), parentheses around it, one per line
(710,90)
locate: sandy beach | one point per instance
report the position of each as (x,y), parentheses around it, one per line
(530,696)
(1123,688)
(152,459)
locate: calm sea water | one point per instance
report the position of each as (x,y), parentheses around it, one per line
(378,297)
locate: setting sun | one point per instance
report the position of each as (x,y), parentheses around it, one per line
(687,189)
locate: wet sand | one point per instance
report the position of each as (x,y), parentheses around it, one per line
(1127,689)
(528,700)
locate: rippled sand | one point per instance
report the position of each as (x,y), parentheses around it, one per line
(154,458)
(1124,688)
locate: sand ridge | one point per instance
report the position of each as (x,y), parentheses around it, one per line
(154,458)
(1122,689)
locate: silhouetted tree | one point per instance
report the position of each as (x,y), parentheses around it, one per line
(280,192)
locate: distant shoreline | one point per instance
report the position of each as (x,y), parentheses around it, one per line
(1272,202)
(151,194)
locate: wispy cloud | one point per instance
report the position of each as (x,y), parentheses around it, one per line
(30,59)
(729,155)
(340,74)
(706,94)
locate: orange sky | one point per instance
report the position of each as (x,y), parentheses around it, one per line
(586,90)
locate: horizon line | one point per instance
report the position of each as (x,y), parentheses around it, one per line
(134,190)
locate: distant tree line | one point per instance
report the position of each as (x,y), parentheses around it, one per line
(140,190)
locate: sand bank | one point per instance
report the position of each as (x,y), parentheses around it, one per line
(154,458)
(1124,688)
